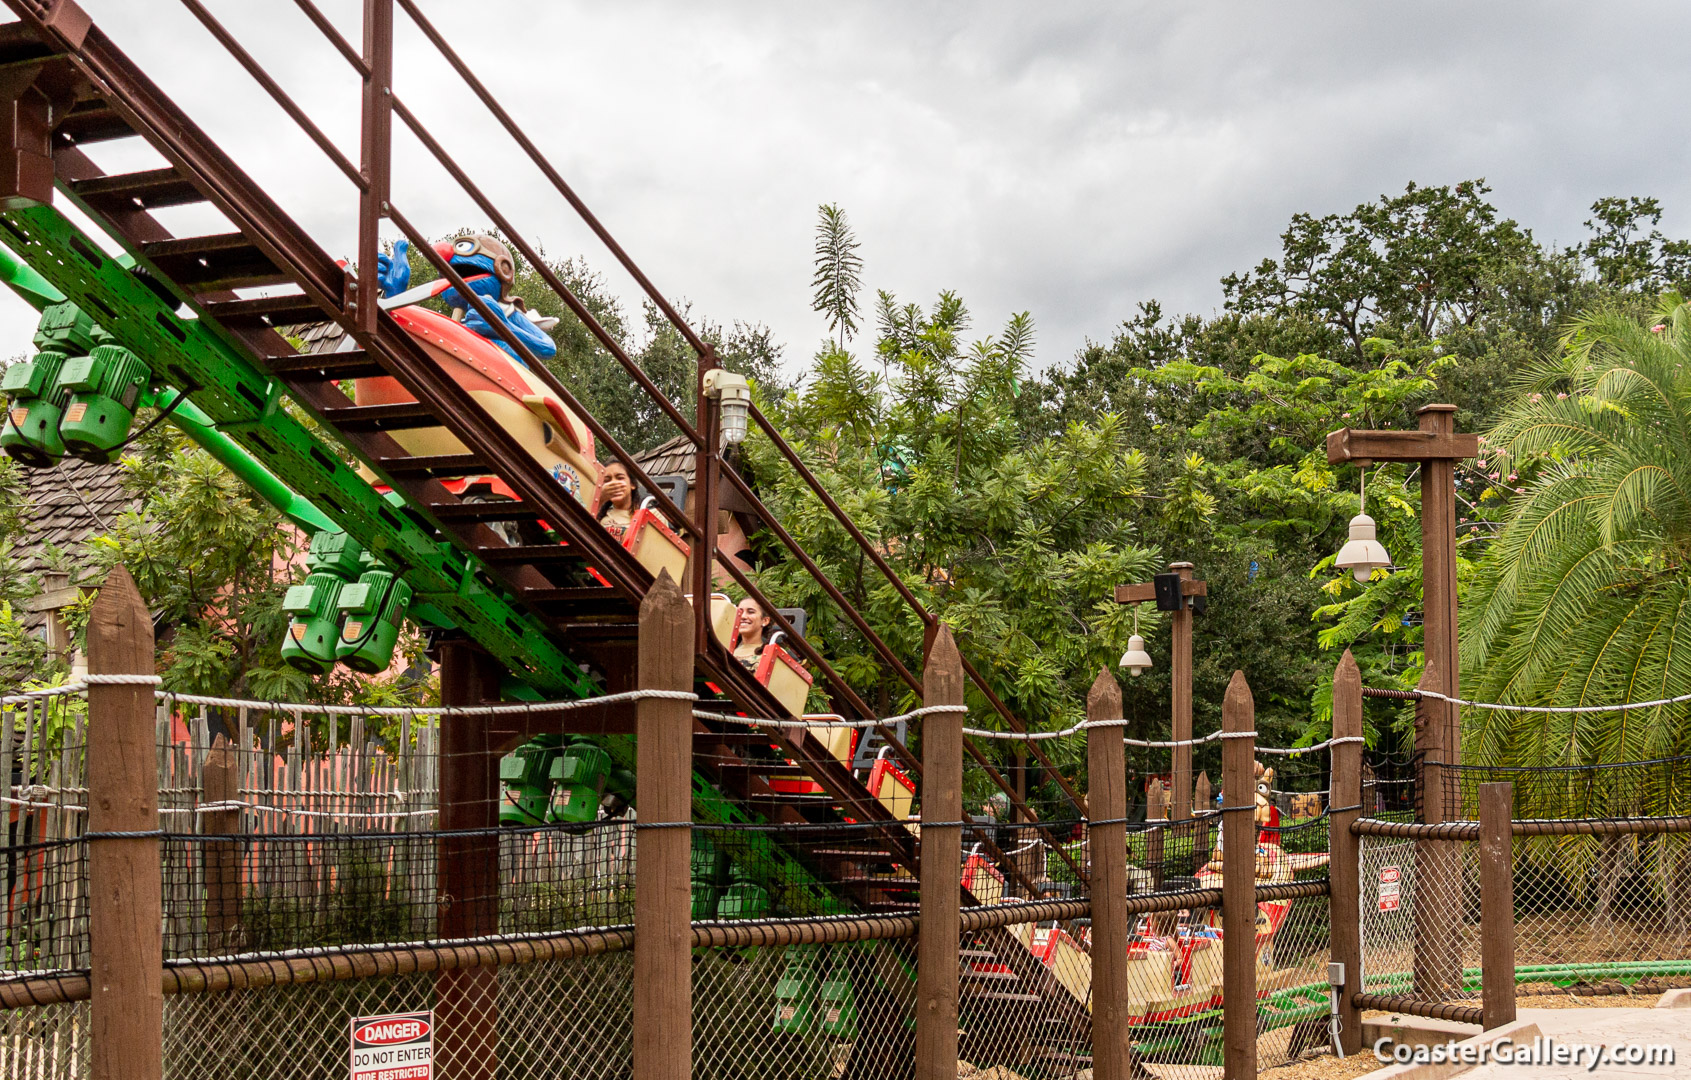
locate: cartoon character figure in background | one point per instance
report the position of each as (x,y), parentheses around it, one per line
(487,268)
(1271,862)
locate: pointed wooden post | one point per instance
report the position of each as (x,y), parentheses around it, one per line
(663,902)
(1106,842)
(125,890)
(1497,904)
(941,863)
(1238,872)
(221,784)
(1345,865)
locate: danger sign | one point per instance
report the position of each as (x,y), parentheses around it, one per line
(1389,882)
(397,1047)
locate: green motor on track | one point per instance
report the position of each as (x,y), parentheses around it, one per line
(31,431)
(35,406)
(526,773)
(313,607)
(374,608)
(99,392)
(578,780)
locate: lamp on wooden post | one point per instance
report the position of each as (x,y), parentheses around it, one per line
(1180,594)
(1437,447)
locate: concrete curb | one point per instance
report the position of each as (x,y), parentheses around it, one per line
(1675,999)
(1520,1031)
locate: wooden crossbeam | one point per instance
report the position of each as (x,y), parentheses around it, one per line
(1145,592)
(1361,447)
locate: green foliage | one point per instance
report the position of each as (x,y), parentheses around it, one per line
(1016,543)
(1583,597)
(839,273)
(1627,259)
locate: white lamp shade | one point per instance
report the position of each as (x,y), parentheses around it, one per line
(1135,659)
(1362,553)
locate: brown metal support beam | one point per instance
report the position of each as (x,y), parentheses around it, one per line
(376,157)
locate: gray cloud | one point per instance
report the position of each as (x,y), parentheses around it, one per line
(1068,159)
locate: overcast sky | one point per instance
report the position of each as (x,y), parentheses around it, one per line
(1070,159)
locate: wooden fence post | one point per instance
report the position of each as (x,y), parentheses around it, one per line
(1156,809)
(467,1000)
(941,862)
(663,904)
(125,890)
(221,783)
(1106,845)
(1238,873)
(1497,904)
(1344,871)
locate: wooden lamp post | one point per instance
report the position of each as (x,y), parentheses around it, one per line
(1177,592)
(1437,447)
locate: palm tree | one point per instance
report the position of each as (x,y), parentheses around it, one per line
(1585,596)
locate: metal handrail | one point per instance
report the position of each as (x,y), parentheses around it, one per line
(274,89)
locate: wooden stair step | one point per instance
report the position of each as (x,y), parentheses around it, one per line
(325,367)
(147,190)
(394,417)
(495,510)
(290,309)
(853,855)
(212,263)
(579,603)
(732,738)
(432,466)
(905,884)
(766,768)
(973,976)
(531,554)
(92,122)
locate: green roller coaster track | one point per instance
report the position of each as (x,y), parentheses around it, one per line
(238,414)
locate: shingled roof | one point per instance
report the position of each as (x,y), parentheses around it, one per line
(68,505)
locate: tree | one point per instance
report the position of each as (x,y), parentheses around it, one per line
(1015,543)
(1624,258)
(839,273)
(1584,597)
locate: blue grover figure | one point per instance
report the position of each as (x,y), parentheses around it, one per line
(488,269)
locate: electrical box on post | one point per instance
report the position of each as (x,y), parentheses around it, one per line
(1167,587)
